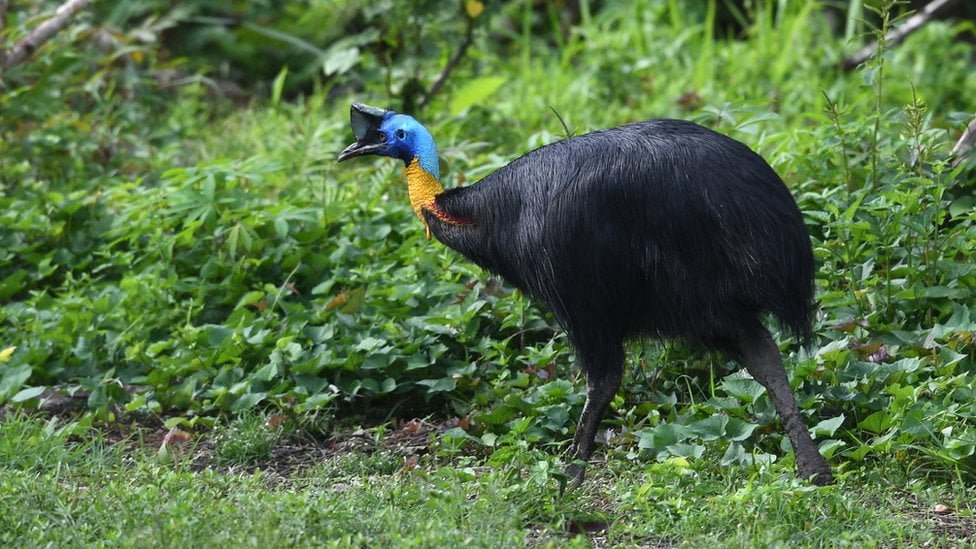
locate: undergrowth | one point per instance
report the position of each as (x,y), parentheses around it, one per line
(62,486)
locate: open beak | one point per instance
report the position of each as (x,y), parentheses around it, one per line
(366,121)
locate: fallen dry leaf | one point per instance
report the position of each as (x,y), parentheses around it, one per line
(410,463)
(337,301)
(174,441)
(177,437)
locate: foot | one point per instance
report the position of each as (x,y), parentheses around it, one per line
(575,473)
(814,469)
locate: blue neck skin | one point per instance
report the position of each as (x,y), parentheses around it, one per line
(417,142)
(426,154)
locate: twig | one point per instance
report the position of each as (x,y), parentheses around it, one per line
(37,37)
(965,144)
(290,39)
(566,131)
(281,289)
(896,35)
(451,64)
(3,39)
(3,15)
(901,490)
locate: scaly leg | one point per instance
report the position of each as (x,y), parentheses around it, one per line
(762,360)
(603,372)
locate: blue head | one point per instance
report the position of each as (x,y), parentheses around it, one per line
(386,133)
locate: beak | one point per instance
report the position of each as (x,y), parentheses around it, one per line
(360,149)
(365,121)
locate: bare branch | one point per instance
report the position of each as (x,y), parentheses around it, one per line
(3,15)
(3,39)
(451,64)
(37,37)
(898,34)
(965,144)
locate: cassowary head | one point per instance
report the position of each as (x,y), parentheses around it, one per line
(386,133)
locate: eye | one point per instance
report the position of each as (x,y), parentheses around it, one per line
(401,134)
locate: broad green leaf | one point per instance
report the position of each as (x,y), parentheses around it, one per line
(646,440)
(247,401)
(311,384)
(13,379)
(458,433)
(439,385)
(370,344)
(964,205)
(828,427)
(340,60)
(678,461)
(900,391)
(915,423)
(474,92)
(724,403)
(267,372)
(710,428)
(734,454)
(663,435)
(388,385)
(830,446)
(834,350)
(960,449)
(557,391)
(12,284)
(877,422)
(687,450)
(499,415)
(281,227)
(249,298)
(739,430)
(217,334)
(323,287)
(28,393)
(743,388)
(317,401)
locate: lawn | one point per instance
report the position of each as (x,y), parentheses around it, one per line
(64,484)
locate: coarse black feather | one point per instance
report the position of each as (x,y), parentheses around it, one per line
(659,228)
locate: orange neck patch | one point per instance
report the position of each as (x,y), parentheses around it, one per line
(422,188)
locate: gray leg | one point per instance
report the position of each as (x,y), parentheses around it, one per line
(762,360)
(603,373)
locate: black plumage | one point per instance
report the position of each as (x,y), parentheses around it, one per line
(661,228)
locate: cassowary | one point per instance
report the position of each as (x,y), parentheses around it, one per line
(660,228)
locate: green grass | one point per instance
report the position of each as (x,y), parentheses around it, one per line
(247,439)
(56,490)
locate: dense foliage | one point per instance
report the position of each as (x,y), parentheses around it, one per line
(164,252)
